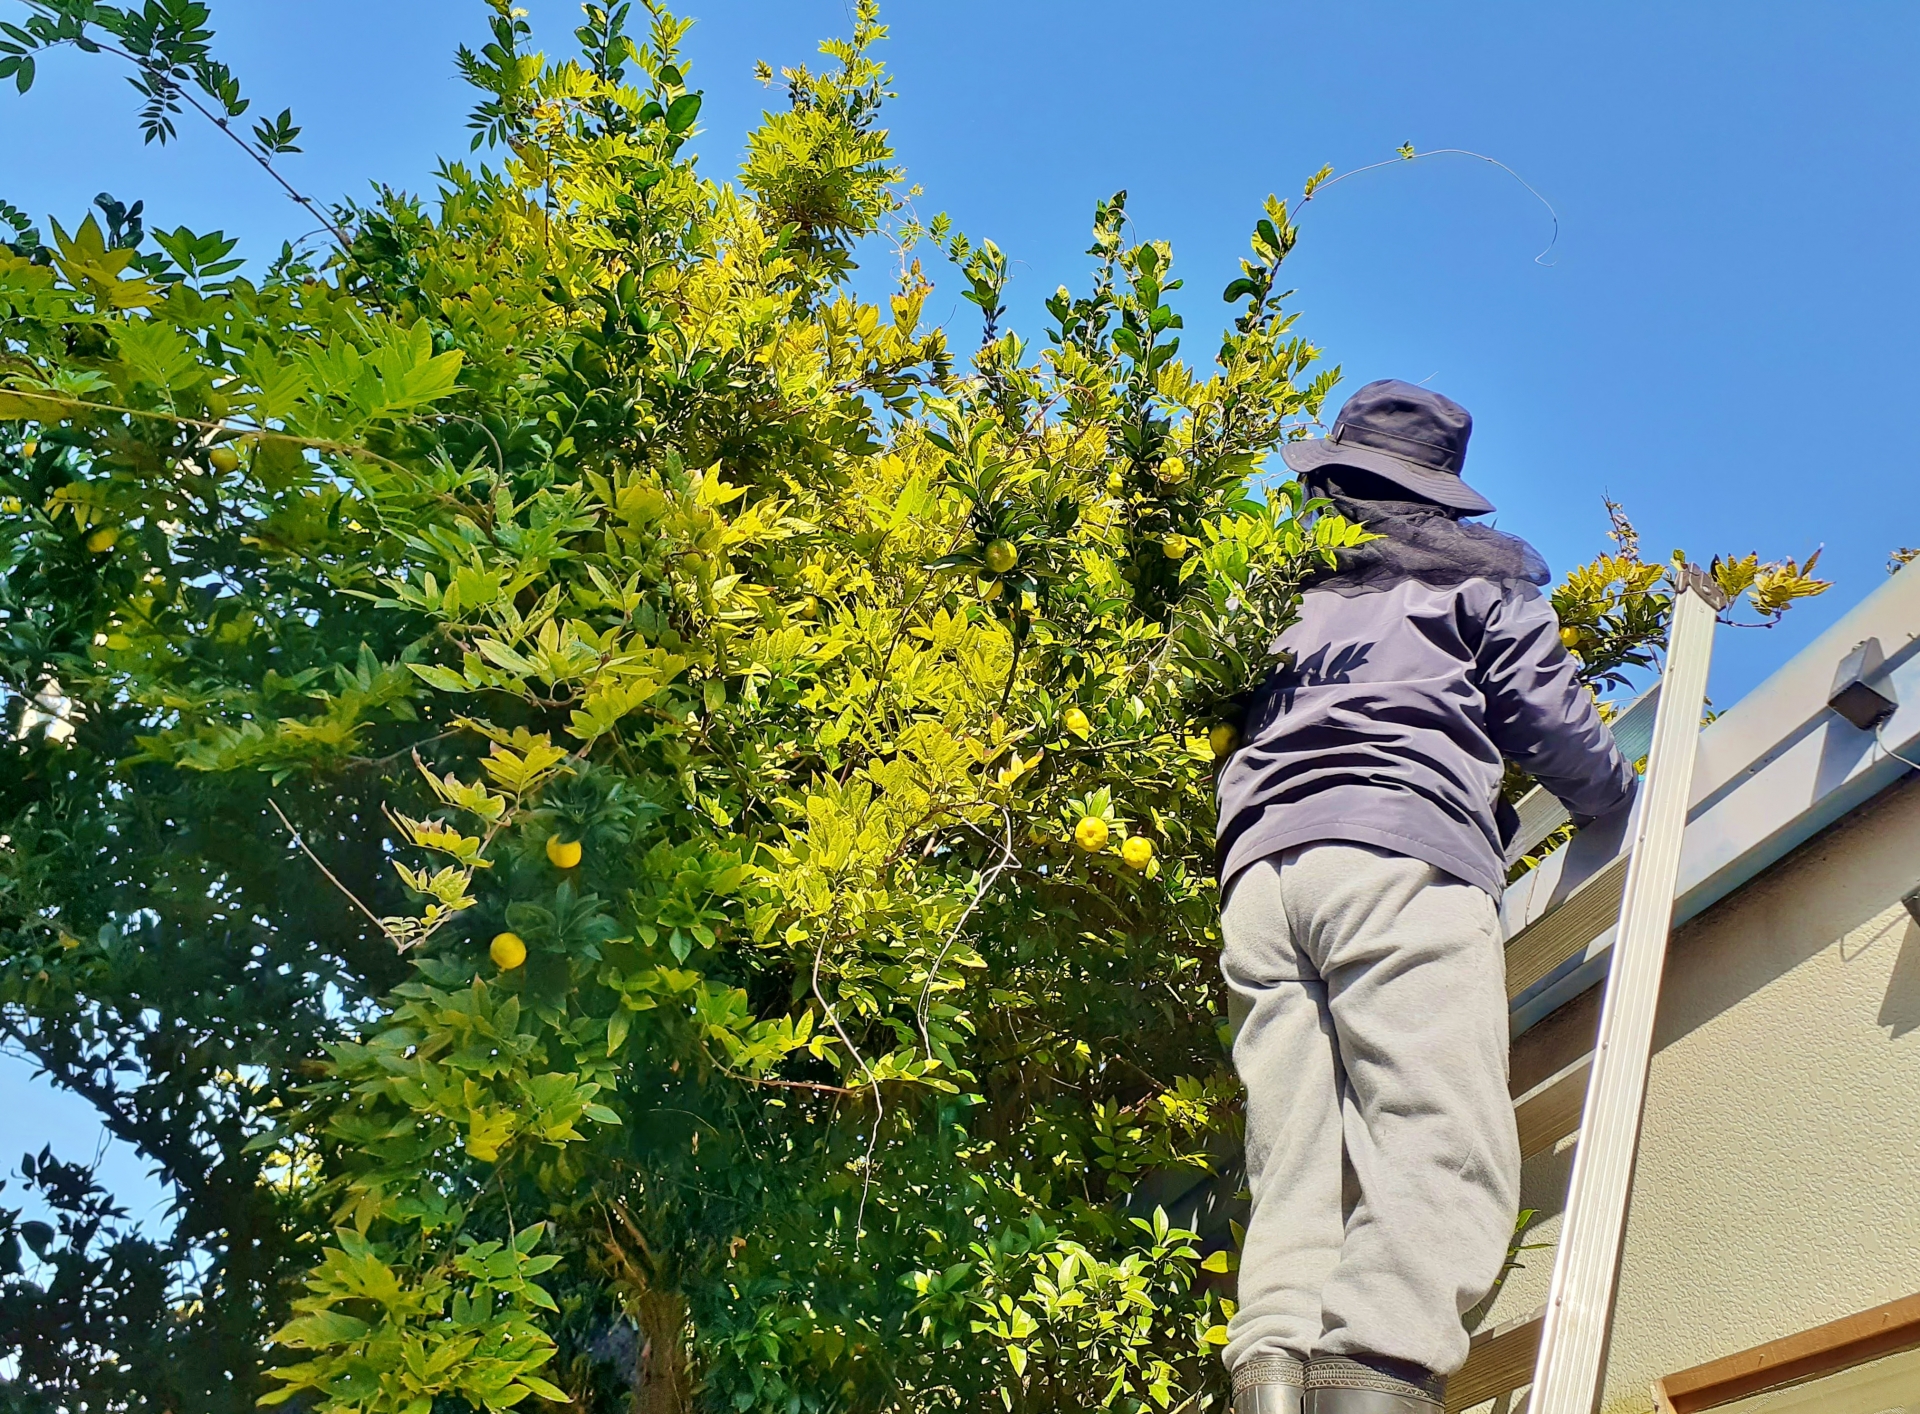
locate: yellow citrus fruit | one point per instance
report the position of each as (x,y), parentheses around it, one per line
(1174,547)
(1001,556)
(1173,469)
(29,447)
(1222,739)
(223,459)
(507,951)
(990,589)
(1075,721)
(102,540)
(1137,852)
(563,853)
(1091,834)
(1116,482)
(1570,637)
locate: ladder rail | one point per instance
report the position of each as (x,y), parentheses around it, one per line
(1579,1312)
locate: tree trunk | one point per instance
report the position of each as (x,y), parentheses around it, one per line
(660,1383)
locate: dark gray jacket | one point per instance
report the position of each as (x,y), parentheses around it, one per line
(1388,727)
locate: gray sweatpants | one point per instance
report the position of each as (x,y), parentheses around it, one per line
(1369,1002)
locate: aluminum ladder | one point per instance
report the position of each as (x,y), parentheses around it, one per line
(1569,1359)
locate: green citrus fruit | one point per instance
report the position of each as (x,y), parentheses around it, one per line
(223,460)
(1001,556)
(1222,739)
(102,540)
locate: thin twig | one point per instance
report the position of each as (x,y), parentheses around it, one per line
(879,1105)
(223,425)
(499,457)
(1013,671)
(1539,259)
(884,667)
(328,872)
(375,762)
(267,166)
(991,877)
(222,124)
(816,1086)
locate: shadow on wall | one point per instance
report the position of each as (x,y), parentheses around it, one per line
(1811,900)
(1544,1180)
(1900,1008)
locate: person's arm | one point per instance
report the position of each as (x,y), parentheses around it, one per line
(1540,715)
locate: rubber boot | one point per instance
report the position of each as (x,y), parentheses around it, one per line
(1268,1384)
(1336,1384)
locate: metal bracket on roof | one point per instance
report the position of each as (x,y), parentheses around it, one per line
(1861,692)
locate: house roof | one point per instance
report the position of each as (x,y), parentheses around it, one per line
(1774,770)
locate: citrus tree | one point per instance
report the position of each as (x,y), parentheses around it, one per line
(624,827)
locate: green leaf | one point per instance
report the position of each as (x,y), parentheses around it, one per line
(682,111)
(443,678)
(320,1330)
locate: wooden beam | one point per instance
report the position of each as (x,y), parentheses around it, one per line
(1550,940)
(1838,1345)
(1499,1361)
(1550,1111)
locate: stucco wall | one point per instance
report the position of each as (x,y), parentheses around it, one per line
(1779,1177)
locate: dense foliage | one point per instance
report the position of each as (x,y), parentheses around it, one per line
(620,830)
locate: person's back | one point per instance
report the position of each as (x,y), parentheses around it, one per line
(1360,865)
(1410,675)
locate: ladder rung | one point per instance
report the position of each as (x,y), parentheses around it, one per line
(1550,1111)
(1540,813)
(1499,1361)
(1592,908)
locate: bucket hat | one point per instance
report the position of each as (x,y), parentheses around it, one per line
(1414,438)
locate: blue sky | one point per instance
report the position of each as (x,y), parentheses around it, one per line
(1723,340)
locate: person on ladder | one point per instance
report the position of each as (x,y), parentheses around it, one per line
(1360,860)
